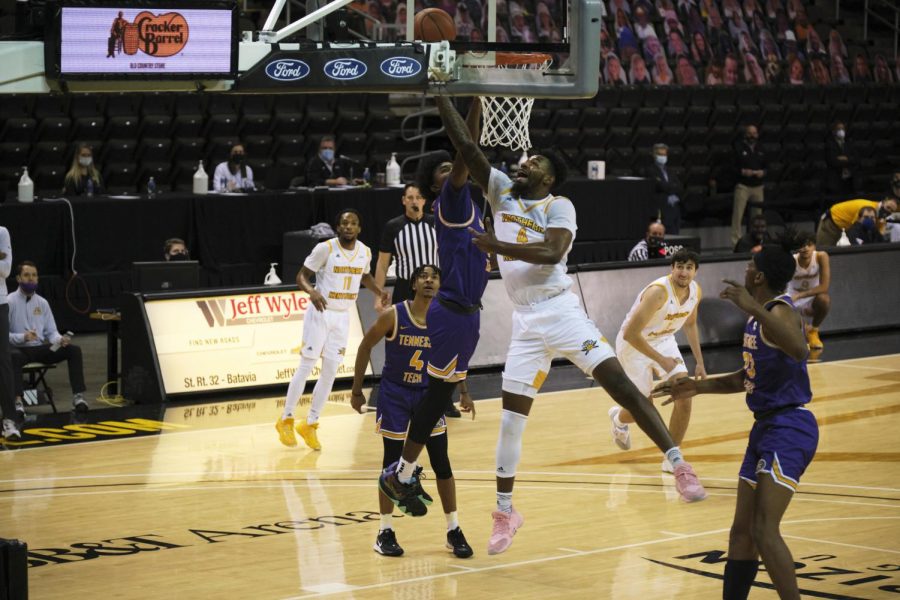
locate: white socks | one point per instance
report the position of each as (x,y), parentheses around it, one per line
(509,444)
(504,502)
(405,470)
(387,522)
(323,388)
(298,382)
(452,520)
(673,455)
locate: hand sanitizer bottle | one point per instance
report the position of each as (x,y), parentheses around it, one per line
(272,277)
(393,170)
(201,180)
(26,187)
(844,241)
(151,188)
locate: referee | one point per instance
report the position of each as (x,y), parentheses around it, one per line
(409,239)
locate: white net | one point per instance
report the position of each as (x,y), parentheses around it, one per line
(504,121)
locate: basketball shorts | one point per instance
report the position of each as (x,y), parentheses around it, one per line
(453,336)
(782,445)
(325,334)
(557,327)
(396,404)
(804,305)
(641,369)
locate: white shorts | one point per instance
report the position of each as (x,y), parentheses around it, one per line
(804,305)
(557,327)
(641,369)
(325,334)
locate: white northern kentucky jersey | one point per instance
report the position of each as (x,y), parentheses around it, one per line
(671,315)
(339,271)
(520,221)
(804,279)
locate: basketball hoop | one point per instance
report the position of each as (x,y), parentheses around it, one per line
(505,119)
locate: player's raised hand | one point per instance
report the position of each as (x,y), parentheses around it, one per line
(738,294)
(485,241)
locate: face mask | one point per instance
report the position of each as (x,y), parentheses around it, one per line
(237,158)
(840,133)
(29,287)
(751,139)
(868,223)
(661,160)
(85,161)
(327,154)
(179,256)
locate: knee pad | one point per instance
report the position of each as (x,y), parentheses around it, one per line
(438,456)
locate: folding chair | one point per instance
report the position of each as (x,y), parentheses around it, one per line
(35,379)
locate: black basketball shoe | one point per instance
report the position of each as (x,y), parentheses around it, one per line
(404,495)
(456,541)
(386,543)
(418,476)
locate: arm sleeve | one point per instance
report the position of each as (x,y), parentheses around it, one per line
(6,248)
(318,257)
(499,184)
(561,215)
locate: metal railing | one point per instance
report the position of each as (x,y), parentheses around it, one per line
(894,26)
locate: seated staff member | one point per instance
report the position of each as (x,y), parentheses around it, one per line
(234,175)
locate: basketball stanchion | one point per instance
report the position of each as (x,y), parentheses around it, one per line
(13,570)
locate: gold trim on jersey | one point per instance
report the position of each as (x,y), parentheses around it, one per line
(539,379)
(412,317)
(393,335)
(762,335)
(355,251)
(537,203)
(440,216)
(444,373)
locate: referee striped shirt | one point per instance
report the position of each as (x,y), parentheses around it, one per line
(412,243)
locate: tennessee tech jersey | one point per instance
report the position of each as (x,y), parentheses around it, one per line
(672,315)
(406,349)
(520,221)
(772,379)
(339,271)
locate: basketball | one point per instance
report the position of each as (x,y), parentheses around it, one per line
(434,25)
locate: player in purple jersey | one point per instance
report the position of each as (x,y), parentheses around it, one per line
(453,319)
(784,437)
(403,386)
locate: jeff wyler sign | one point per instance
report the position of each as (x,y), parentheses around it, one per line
(245,340)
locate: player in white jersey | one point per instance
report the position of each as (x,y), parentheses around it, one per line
(809,287)
(340,265)
(535,231)
(646,343)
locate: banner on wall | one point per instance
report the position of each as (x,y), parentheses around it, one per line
(237,341)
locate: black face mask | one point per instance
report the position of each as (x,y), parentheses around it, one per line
(238,159)
(750,139)
(179,256)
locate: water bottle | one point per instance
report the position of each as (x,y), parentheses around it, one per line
(151,188)
(367,176)
(393,170)
(89,187)
(201,180)
(54,347)
(26,187)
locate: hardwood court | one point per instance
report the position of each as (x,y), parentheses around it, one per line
(216,507)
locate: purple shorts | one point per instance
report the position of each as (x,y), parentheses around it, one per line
(782,445)
(454,336)
(396,404)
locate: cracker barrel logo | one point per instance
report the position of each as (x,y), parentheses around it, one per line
(156,35)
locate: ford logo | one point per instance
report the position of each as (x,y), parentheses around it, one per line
(287,69)
(401,66)
(345,69)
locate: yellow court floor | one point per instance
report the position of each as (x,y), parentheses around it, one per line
(216,507)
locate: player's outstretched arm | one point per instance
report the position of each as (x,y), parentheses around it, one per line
(548,251)
(380,328)
(461,135)
(685,387)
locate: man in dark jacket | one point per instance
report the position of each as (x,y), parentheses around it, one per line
(668,186)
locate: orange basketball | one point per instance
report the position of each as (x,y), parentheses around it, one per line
(434,25)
